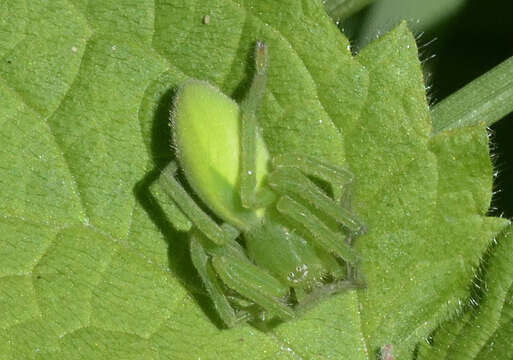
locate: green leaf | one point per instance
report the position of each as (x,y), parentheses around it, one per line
(417,261)
(484,331)
(92,266)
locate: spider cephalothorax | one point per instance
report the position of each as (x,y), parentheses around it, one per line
(285,242)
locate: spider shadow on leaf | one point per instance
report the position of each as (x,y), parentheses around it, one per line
(179,260)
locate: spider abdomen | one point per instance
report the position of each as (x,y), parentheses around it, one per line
(206,128)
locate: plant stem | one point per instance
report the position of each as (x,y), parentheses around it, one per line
(341,9)
(485,100)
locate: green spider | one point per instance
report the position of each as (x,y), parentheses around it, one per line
(272,256)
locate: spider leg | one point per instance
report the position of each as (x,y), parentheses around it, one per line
(201,262)
(189,207)
(288,180)
(341,179)
(249,128)
(241,275)
(308,300)
(318,230)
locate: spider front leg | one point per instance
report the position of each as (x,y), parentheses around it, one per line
(229,264)
(217,256)
(289,175)
(288,180)
(341,180)
(201,261)
(249,280)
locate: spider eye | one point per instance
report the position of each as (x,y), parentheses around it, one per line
(300,274)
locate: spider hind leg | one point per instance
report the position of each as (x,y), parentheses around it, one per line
(199,218)
(249,128)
